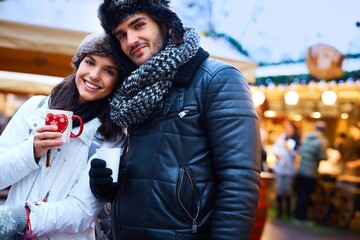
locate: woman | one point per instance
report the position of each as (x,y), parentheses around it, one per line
(49,181)
(285,149)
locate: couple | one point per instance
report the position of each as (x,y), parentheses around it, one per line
(191,165)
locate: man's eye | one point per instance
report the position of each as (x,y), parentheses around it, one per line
(121,36)
(139,25)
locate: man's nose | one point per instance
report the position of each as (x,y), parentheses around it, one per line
(132,38)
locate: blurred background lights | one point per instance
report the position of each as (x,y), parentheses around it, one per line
(291,98)
(329,97)
(258,98)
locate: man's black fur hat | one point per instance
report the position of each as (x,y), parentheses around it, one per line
(113,12)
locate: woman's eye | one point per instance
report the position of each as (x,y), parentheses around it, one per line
(89,62)
(109,71)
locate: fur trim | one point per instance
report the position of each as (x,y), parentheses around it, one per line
(113,12)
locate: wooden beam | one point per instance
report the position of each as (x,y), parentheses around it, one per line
(35,62)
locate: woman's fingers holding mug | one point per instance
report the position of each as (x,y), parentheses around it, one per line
(46,132)
(46,137)
(47,128)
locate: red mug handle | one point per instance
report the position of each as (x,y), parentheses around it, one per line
(72,135)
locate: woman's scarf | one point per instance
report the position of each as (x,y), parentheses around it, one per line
(88,111)
(142,91)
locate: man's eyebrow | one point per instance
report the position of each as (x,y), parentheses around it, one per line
(136,20)
(133,22)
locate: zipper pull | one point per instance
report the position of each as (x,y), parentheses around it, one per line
(183,113)
(194,227)
(48,158)
(46,196)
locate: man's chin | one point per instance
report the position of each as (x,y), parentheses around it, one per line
(140,61)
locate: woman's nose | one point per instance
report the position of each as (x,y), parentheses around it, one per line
(95,75)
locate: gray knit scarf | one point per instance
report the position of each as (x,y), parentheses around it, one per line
(142,91)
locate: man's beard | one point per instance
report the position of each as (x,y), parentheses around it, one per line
(159,44)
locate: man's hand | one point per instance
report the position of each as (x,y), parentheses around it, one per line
(101,182)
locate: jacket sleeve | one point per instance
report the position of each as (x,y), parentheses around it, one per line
(234,136)
(16,146)
(74,214)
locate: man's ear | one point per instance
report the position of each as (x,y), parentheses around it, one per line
(173,28)
(164,29)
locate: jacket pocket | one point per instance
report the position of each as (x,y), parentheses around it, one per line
(188,198)
(184,113)
(188,111)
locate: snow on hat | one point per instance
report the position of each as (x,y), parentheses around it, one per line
(113,12)
(95,43)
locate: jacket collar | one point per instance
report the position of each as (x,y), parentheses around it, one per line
(187,70)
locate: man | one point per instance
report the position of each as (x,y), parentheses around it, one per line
(313,150)
(192,164)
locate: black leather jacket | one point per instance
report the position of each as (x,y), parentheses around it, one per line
(193,168)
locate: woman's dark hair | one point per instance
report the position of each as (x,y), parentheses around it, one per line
(296,135)
(65,96)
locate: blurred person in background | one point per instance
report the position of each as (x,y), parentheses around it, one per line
(350,153)
(340,142)
(313,150)
(286,149)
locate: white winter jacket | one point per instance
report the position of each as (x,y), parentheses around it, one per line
(70,208)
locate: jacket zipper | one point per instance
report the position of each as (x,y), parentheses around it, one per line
(117,197)
(193,219)
(184,112)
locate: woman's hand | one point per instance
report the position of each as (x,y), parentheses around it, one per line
(46,137)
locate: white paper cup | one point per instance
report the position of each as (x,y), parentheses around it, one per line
(112,158)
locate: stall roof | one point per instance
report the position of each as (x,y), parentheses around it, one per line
(25,83)
(289,69)
(18,36)
(221,49)
(25,36)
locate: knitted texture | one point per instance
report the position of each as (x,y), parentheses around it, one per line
(141,92)
(95,43)
(12,220)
